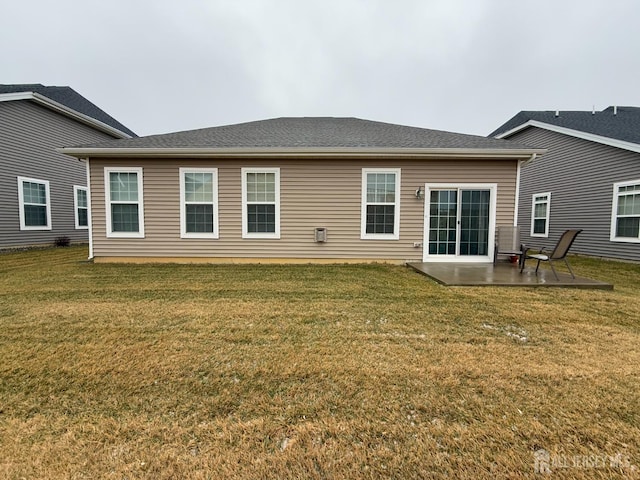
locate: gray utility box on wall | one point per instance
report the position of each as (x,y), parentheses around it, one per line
(321,235)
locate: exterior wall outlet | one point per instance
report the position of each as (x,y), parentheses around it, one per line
(417,244)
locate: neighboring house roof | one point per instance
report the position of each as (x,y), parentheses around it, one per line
(614,126)
(67,98)
(309,136)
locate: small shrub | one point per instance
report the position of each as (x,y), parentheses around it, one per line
(62,241)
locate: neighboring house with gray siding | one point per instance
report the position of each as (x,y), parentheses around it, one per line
(43,193)
(588,179)
(301,189)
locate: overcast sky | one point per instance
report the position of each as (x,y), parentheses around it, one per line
(460,65)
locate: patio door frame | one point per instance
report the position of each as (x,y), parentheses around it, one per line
(428,188)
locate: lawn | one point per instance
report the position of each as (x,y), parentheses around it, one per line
(308,371)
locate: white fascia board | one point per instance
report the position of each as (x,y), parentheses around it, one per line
(63,109)
(417,153)
(612,142)
(9,97)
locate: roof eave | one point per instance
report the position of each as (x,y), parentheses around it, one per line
(478,153)
(612,142)
(63,109)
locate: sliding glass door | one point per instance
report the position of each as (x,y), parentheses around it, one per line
(459,223)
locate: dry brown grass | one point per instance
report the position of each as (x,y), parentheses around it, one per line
(306,371)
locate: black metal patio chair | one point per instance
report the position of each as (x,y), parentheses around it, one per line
(559,253)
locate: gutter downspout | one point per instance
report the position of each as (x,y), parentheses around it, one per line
(516,205)
(89,221)
(517,202)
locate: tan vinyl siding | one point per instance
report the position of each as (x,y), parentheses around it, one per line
(29,135)
(313,193)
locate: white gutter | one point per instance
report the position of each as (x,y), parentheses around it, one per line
(63,109)
(190,152)
(612,142)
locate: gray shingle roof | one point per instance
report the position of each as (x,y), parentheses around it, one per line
(71,99)
(623,125)
(311,132)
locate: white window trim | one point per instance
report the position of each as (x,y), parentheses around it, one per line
(533,212)
(23,226)
(183,204)
(363,212)
(107,200)
(245,223)
(76,188)
(614,213)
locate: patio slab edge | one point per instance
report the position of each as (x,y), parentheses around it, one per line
(489,275)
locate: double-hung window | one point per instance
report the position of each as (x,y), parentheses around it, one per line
(34,203)
(260,203)
(625,216)
(540,207)
(380,216)
(199,202)
(81,206)
(124,202)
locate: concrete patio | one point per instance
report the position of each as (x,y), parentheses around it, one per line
(502,274)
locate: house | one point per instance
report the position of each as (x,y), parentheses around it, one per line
(589,179)
(42,192)
(301,189)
